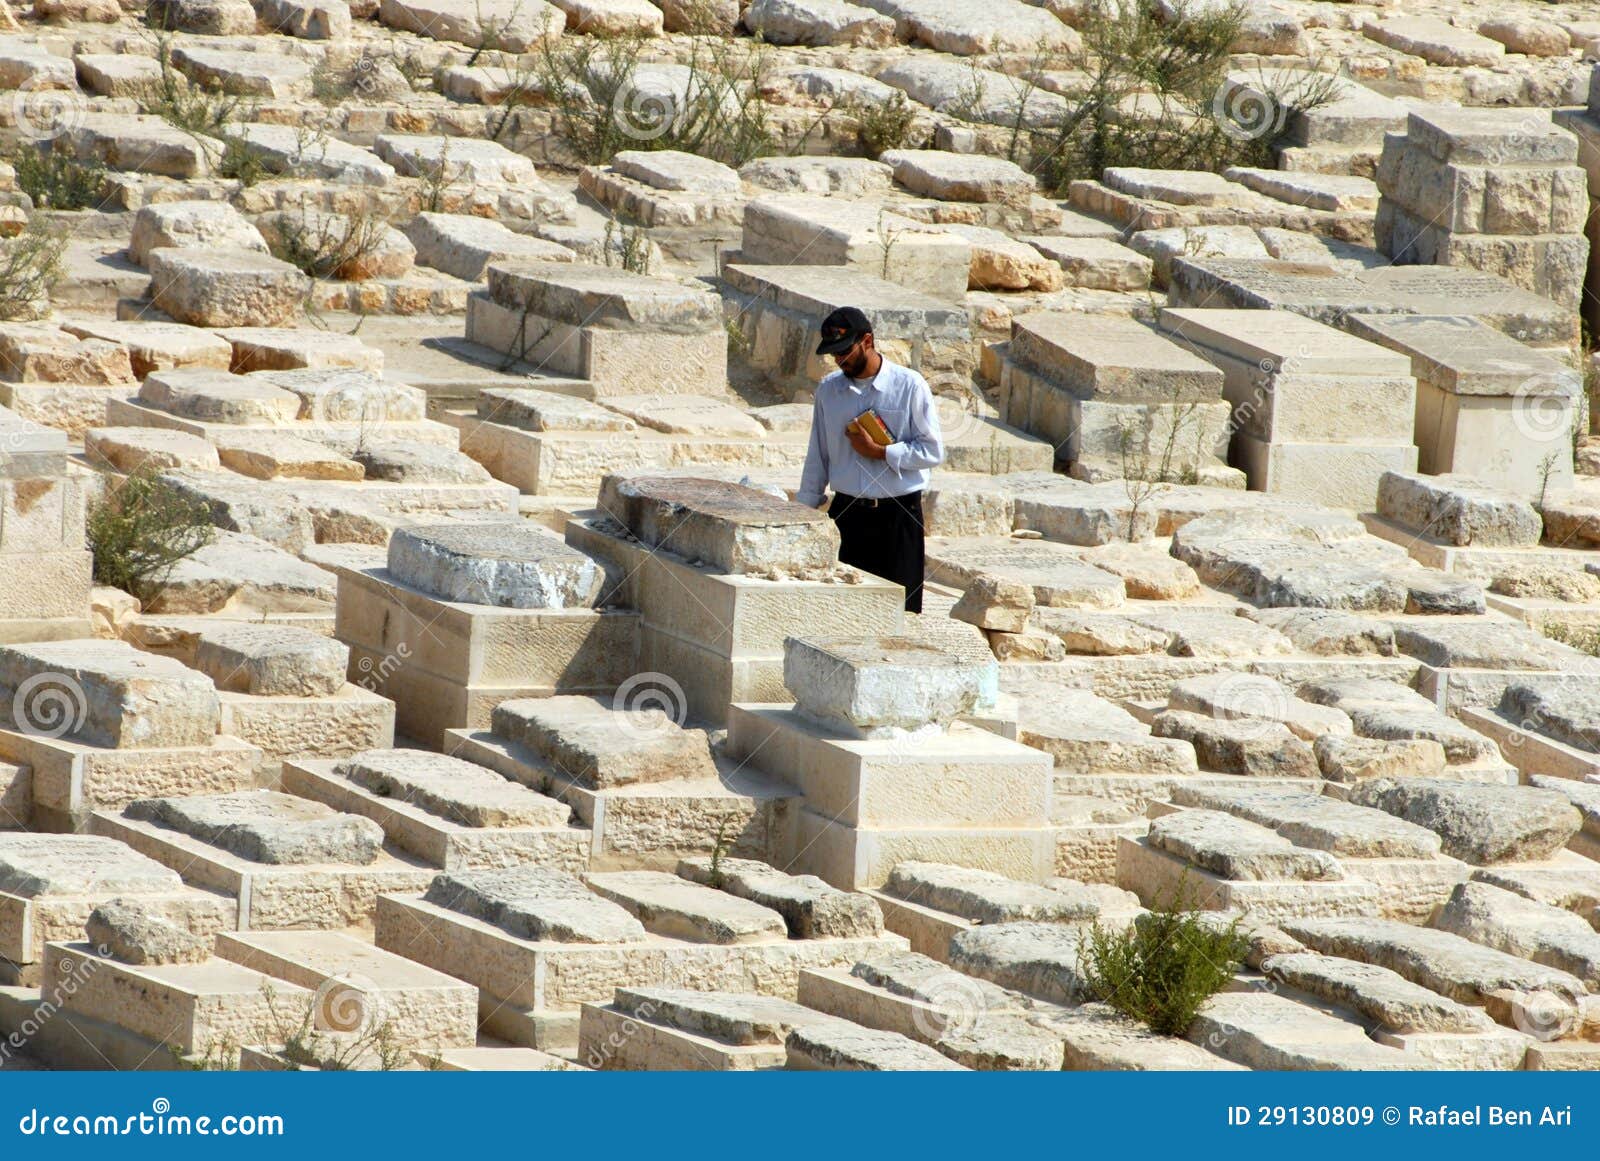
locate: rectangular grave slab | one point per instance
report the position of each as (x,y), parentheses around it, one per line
(811,908)
(536,903)
(679,909)
(887,683)
(458,791)
(604,743)
(1236,849)
(267,827)
(515,566)
(1111,359)
(105,693)
(731,528)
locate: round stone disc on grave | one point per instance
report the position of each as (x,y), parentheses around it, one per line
(514,566)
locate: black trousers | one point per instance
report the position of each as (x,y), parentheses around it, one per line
(883,537)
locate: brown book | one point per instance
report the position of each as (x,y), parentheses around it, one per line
(874,427)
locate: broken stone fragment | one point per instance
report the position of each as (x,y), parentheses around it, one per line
(133,933)
(516,566)
(1480,823)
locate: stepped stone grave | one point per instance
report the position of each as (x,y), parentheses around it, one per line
(719,626)
(51,885)
(452,814)
(1488,189)
(1082,383)
(782,308)
(797,229)
(57,379)
(225,287)
(1328,294)
(100,724)
(1487,406)
(666,188)
(886,771)
(286,861)
(465,616)
(1317,414)
(613,328)
(540,944)
(283,689)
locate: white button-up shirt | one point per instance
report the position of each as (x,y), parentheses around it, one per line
(904,402)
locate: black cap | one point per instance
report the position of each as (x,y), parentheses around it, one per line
(841,329)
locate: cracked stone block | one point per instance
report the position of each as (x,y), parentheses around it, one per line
(276,660)
(536,903)
(264,826)
(1480,823)
(514,566)
(870,686)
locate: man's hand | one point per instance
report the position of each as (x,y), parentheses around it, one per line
(861,442)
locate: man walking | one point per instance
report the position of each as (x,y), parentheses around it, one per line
(874,440)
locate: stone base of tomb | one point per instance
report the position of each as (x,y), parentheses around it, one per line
(446,664)
(352,720)
(1156,875)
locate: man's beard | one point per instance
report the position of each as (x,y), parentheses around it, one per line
(854,365)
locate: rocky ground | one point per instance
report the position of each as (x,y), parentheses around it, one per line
(411,655)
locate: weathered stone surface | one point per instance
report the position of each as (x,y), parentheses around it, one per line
(275,660)
(105,693)
(680,909)
(1522,927)
(1318,822)
(1458,510)
(399,463)
(1058,576)
(1482,645)
(992,602)
(1039,959)
(1086,734)
(515,566)
(536,903)
(843,176)
(842,1046)
(1330,633)
(43,865)
(264,826)
(602,744)
(218,397)
(1098,635)
(1096,1036)
(581,295)
(961,177)
(1376,992)
(31,353)
(1254,747)
(225,287)
(1480,823)
(192,225)
(1234,848)
(274,455)
(985,897)
(731,1017)
(534,410)
(513,25)
(811,908)
(1247,697)
(455,790)
(1567,713)
(818,23)
(464,245)
(133,933)
(729,527)
(1346,759)
(1438,960)
(878,684)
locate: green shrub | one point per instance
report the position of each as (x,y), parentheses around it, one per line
(57,181)
(881,127)
(1161,970)
(142,529)
(180,102)
(30,264)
